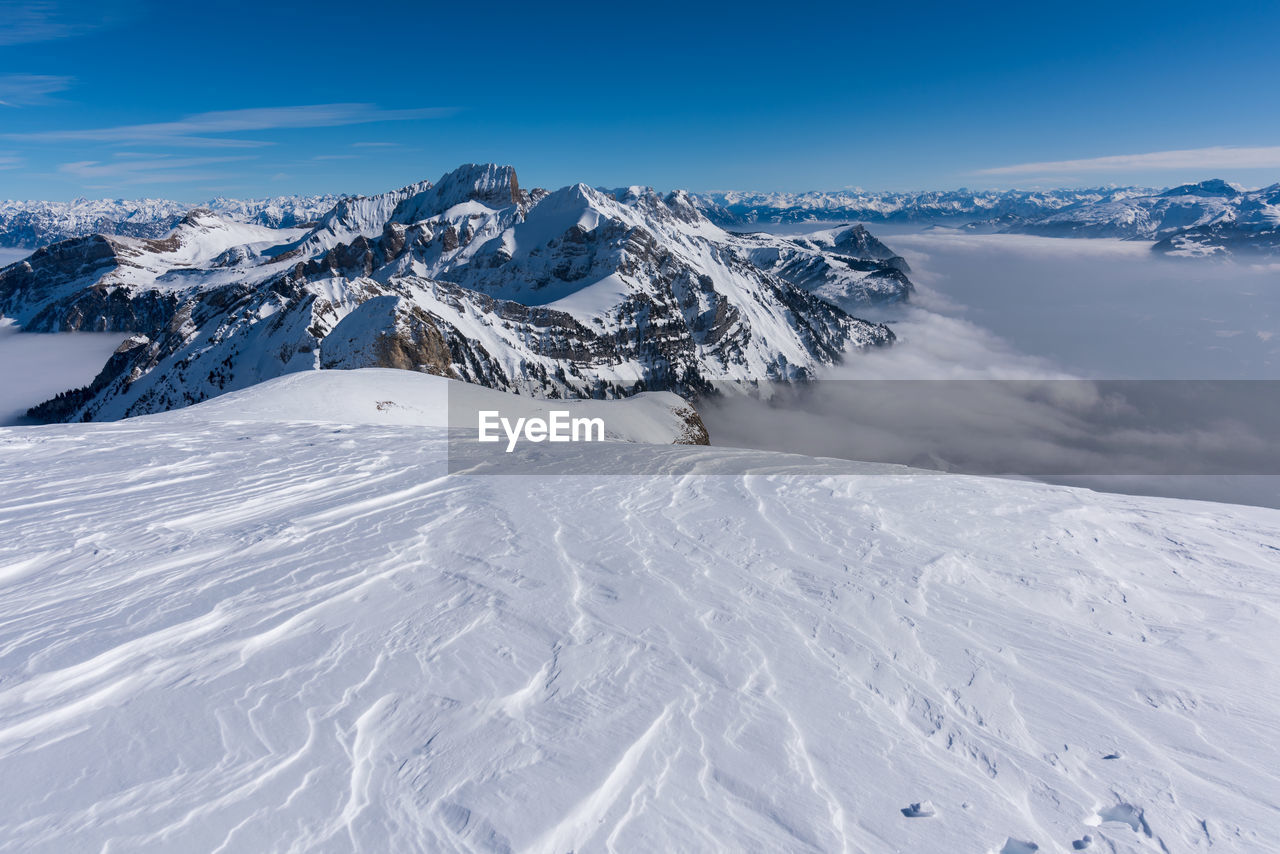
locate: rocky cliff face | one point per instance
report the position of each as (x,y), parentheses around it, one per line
(572,293)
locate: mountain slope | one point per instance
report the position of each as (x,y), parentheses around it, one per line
(571,293)
(220,632)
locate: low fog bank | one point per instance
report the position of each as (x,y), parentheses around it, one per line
(1198,439)
(1106,309)
(38,366)
(997,308)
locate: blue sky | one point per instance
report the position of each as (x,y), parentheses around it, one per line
(189,101)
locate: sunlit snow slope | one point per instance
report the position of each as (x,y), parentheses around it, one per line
(247,635)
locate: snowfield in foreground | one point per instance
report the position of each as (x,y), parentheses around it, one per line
(222,634)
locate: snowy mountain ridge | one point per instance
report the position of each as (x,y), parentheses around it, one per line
(575,292)
(1207,217)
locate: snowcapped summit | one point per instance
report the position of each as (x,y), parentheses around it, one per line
(490,185)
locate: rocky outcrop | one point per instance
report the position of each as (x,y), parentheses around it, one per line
(387,332)
(694,431)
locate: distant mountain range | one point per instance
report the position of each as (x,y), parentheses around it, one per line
(32,224)
(576,292)
(1210,218)
(1205,219)
(955,207)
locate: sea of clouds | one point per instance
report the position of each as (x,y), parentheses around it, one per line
(1082,362)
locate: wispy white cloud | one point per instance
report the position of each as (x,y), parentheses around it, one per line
(1215,157)
(9,160)
(204,129)
(159,170)
(34,22)
(28,21)
(26,90)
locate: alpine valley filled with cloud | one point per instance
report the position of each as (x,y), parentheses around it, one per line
(361,493)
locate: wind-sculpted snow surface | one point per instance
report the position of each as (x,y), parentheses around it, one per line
(223,633)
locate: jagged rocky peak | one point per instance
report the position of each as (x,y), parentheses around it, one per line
(488,184)
(860,243)
(682,206)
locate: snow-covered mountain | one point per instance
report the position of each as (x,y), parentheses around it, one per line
(574,292)
(1251,227)
(734,209)
(239,627)
(1151,216)
(1209,218)
(32,224)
